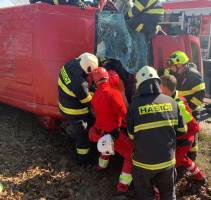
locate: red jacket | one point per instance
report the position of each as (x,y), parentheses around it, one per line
(109,107)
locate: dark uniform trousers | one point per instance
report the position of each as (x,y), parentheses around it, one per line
(78,130)
(164,180)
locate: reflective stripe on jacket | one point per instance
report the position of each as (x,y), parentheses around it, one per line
(140,6)
(153,123)
(74,97)
(148,18)
(192,87)
(192,124)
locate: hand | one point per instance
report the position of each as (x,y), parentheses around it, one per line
(82,5)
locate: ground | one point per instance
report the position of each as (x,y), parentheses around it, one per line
(36,165)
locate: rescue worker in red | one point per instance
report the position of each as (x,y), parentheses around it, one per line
(110,112)
(154,122)
(75,101)
(184,143)
(190,85)
(116,83)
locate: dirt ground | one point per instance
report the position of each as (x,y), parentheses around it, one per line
(35,165)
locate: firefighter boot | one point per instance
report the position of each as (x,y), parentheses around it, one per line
(124,182)
(121,187)
(198,175)
(84,158)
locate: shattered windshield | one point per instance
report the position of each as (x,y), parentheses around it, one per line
(115,40)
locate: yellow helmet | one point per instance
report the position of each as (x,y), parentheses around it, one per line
(146,73)
(178,58)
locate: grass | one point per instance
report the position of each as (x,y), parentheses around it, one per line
(204,157)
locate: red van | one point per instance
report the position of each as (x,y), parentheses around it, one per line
(36,40)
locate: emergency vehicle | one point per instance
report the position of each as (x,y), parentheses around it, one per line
(193,17)
(35,42)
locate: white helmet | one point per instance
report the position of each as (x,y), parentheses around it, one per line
(105,145)
(88,62)
(144,74)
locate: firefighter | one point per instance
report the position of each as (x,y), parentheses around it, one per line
(190,85)
(184,143)
(75,101)
(144,16)
(153,122)
(110,112)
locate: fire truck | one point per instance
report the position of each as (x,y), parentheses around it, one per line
(193,17)
(36,40)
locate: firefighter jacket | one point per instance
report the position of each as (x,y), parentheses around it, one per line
(192,87)
(109,107)
(144,15)
(154,121)
(146,21)
(74,97)
(192,124)
(140,6)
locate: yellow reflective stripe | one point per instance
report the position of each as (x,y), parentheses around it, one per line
(130,14)
(176,95)
(185,93)
(155,166)
(183,129)
(138,5)
(82,151)
(186,115)
(195,148)
(91,93)
(156,124)
(150,2)
(198,87)
(74,111)
(56,2)
(166,72)
(103,163)
(155,108)
(155,11)
(65,76)
(195,89)
(65,89)
(87,99)
(139,27)
(131,136)
(125,178)
(197,102)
